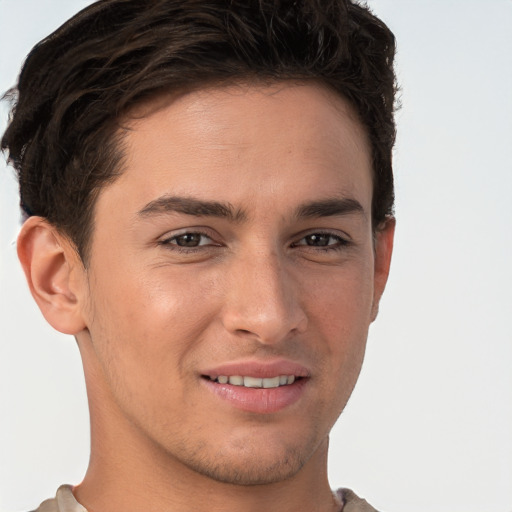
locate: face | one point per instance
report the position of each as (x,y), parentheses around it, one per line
(232,279)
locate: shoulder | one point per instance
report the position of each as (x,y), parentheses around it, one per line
(49,505)
(352,502)
(64,501)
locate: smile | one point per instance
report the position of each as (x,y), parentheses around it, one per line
(255,382)
(258,386)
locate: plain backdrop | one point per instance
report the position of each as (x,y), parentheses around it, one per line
(429,427)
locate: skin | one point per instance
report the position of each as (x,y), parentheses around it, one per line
(151,316)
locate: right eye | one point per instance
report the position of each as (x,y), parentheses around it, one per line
(188,242)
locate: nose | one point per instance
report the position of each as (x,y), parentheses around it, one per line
(263,300)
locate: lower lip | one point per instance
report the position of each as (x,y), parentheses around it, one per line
(258,400)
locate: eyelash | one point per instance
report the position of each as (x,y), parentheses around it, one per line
(340,244)
(184,249)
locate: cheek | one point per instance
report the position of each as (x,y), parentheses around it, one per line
(340,314)
(143,332)
(340,302)
(146,326)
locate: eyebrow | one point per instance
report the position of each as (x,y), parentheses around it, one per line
(330,208)
(191,206)
(201,208)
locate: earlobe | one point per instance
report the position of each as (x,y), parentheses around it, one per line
(383,250)
(54,274)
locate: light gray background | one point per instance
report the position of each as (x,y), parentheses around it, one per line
(429,427)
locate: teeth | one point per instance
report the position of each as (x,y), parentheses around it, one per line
(271,383)
(252,382)
(256,382)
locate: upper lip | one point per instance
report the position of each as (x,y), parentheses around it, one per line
(258,369)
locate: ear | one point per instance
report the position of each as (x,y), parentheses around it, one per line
(383,249)
(54,273)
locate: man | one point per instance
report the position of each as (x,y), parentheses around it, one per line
(208,192)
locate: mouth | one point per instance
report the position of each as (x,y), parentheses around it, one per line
(254,382)
(258,386)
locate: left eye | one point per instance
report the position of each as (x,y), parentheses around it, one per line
(189,240)
(321,240)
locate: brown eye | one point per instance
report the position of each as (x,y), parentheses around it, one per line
(188,240)
(323,240)
(318,240)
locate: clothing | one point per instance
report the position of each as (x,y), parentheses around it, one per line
(64,501)
(352,502)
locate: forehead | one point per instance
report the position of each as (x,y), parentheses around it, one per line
(250,144)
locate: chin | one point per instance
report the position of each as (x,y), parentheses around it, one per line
(254,471)
(260,462)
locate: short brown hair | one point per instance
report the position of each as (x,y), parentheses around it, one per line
(78,82)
